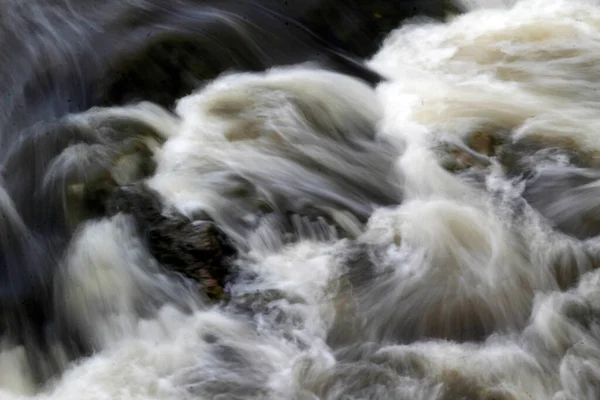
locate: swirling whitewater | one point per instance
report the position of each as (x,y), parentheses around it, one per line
(436,284)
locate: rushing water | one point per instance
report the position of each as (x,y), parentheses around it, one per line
(428,235)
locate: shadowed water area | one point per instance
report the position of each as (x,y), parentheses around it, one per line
(303,199)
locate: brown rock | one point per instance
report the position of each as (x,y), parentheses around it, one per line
(483,142)
(197,249)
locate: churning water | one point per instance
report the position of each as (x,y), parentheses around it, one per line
(432,236)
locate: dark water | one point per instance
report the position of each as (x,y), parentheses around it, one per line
(63,57)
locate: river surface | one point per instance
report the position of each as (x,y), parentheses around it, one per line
(419,221)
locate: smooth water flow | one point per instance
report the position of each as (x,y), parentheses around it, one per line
(430,234)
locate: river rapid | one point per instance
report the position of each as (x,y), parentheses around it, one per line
(423,225)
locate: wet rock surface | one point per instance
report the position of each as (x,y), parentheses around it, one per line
(197,249)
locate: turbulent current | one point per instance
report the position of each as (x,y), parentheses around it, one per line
(420,225)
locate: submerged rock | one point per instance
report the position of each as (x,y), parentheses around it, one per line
(556,176)
(475,151)
(482,143)
(560,180)
(197,249)
(516,156)
(523,156)
(456,158)
(568,197)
